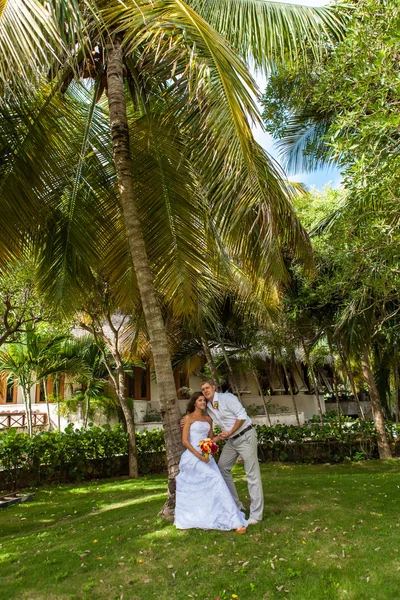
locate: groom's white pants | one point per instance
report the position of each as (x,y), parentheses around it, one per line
(246,447)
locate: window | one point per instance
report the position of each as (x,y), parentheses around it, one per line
(182,385)
(138,383)
(40,397)
(10,392)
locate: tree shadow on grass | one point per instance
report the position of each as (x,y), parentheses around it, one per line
(64,505)
(117,522)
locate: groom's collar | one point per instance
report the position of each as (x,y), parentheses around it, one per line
(214,400)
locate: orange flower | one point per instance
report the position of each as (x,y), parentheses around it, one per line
(207,447)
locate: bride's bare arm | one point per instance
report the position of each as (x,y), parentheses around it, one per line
(187,444)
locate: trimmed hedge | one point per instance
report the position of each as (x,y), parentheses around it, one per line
(75,455)
(96,452)
(350,431)
(354,440)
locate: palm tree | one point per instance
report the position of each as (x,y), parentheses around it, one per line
(172,59)
(32,360)
(16,365)
(49,361)
(91,376)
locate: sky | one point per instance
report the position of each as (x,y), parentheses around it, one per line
(317,178)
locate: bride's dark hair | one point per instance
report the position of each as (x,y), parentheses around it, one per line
(192,402)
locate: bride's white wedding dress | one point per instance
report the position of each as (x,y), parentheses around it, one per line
(203,499)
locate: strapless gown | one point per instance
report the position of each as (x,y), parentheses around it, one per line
(203,500)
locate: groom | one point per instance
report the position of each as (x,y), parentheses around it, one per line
(240,440)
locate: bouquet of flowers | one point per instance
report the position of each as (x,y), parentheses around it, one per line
(208,447)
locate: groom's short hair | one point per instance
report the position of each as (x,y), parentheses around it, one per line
(210,381)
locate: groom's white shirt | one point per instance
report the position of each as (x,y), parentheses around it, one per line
(225,410)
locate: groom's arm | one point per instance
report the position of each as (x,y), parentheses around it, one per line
(238,410)
(237,425)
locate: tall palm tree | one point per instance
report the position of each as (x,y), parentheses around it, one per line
(168,55)
(357,327)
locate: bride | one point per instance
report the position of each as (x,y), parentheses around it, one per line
(203,499)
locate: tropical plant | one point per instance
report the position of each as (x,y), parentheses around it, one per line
(354,300)
(51,363)
(34,359)
(113,333)
(17,365)
(91,378)
(20,306)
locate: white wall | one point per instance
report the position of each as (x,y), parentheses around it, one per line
(306,403)
(282,419)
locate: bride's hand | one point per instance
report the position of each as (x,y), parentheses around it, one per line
(204,459)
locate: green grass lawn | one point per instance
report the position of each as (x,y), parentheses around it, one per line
(329,532)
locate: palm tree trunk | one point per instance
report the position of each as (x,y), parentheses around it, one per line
(130,423)
(335,387)
(57,395)
(228,364)
(118,381)
(211,363)
(262,397)
(351,381)
(377,412)
(87,408)
(44,382)
(396,388)
(291,394)
(28,408)
(335,383)
(152,312)
(314,380)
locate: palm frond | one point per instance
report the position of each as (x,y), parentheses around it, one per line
(78,226)
(303,147)
(75,20)
(46,38)
(33,140)
(272,32)
(28,40)
(240,175)
(171,216)
(182,43)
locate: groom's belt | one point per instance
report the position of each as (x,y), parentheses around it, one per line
(233,437)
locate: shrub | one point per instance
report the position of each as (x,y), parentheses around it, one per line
(354,440)
(72,455)
(349,431)
(75,455)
